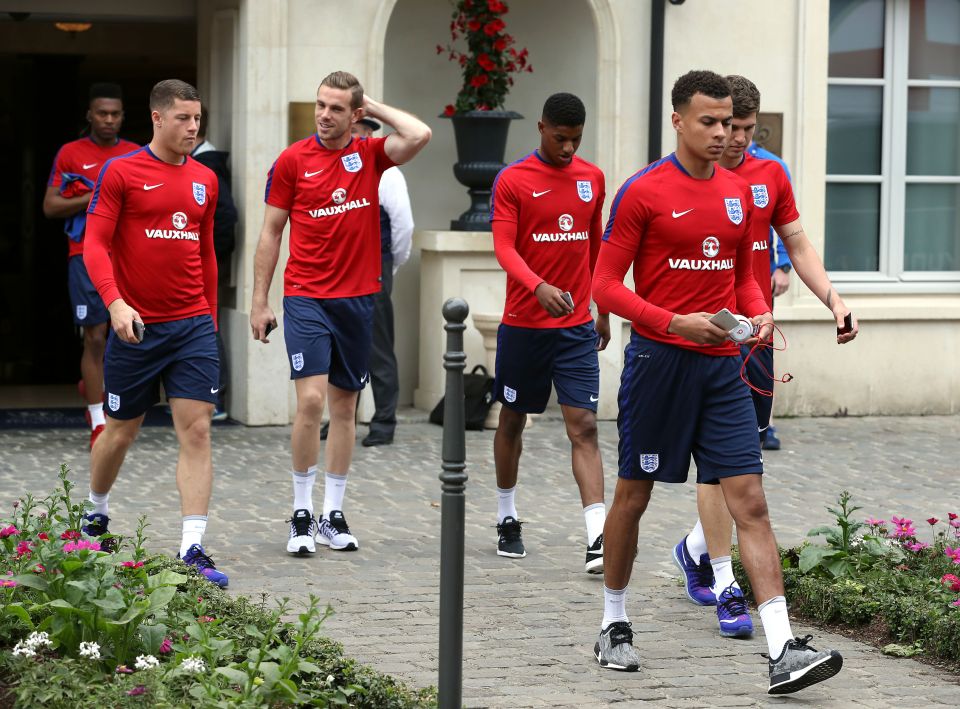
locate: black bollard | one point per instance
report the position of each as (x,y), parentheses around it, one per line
(452,511)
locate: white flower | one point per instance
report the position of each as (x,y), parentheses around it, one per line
(90,650)
(21,648)
(35,640)
(193,665)
(146,662)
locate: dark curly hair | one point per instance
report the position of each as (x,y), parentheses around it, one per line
(746,95)
(564,110)
(703,82)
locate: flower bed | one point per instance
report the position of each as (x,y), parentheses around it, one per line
(883,575)
(83,627)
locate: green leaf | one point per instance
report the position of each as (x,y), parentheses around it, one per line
(234,675)
(817,531)
(160,597)
(840,567)
(60,603)
(15,609)
(901,650)
(136,610)
(153,636)
(69,565)
(813,556)
(307,667)
(32,581)
(166,578)
(289,687)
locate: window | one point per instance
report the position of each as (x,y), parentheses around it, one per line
(893,143)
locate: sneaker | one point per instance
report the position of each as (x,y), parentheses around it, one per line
(594,563)
(199,560)
(733,614)
(800,665)
(770,441)
(615,651)
(96,525)
(511,541)
(324,431)
(95,434)
(698,577)
(335,533)
(303,528)
(219,414)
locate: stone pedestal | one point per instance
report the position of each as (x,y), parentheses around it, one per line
(487,324)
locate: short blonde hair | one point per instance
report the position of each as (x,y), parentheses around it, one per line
(347,82)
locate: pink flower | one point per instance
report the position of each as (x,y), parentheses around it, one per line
(917,546)
(23,549)
(901,521)
(81,545)
(205,619)
(954,554)
(8,583)
(932,521)
(137,691)
(39,569)
(901,532)
(8,532)
(875,522)
(955,523)
(132,564)
(956,603)
(124,670)
(166,646)
(951,582)
(70,534)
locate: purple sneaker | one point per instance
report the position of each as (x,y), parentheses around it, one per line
(204,565)
(732,613)
(698,577)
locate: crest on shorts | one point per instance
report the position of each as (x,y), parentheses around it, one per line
(760,197)
(81,312)
(352,162)
(297,361)
(585,190)
(734,209)
(113,401)
(649,462)
(200,193)
(509,394)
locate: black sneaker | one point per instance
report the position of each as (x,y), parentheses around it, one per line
(800,665)
(511,541)
(95,525)
(303,528)
(594,563)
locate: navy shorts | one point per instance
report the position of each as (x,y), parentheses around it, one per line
(88,307)
(529,360)
(330,336)
(180,353)
(759,372)
(674,402)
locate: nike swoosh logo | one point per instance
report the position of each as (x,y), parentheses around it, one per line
(151,187)
(540,194)
(363,379)
(594,399)
(87,167)
(680,214)
(214,391)
(311,174)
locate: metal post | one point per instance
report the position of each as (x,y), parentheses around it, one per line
(453,479)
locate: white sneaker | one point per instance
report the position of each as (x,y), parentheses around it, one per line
(303,527)
(335,533)
(594,562)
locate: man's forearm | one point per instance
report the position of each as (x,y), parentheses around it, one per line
(264,265)
(57,207)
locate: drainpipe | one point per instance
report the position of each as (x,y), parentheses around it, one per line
(655,122)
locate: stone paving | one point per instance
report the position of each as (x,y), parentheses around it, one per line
(530,624)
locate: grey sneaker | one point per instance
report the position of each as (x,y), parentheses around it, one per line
(800,665)
(615,651)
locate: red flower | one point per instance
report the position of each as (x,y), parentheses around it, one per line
(951,582)
(952,515)
(493,27)
(449,109)
(500,44)
(932,521)
(439,49)
(43,537)
(479,80)
(474,25)
(38,569)
(70,534)
(23,549)
(486,62)
(166,646)
(496,7)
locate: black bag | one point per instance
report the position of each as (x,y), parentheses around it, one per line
(477,399)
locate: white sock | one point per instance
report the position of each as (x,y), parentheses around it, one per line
(594,516)
(722,574)
(99,501)
(303,489)
(696,543)
(614,607)
(334,488)
(506,503)
(776,624)
(96,415)
(193,528)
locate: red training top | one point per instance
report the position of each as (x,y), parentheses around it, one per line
(84,157)
(689,243)
(547,226)
(773,206)
(332,198)
(156,221)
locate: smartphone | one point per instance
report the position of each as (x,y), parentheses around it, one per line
(725,320)
(567,298)
(847,324)
(138,329)
(268,329)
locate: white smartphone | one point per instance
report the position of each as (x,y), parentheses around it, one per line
(725,320)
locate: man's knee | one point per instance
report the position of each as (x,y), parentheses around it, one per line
(582,429)
(95,337)
(745,500)
(310,403)
(196,434)
(511,423)
(633,496)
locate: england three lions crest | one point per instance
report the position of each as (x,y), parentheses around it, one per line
(585,190)
(200,193)
(649,462)
(352,162)
(760,197)
(734,209)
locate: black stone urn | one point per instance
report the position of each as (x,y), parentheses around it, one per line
(481,142)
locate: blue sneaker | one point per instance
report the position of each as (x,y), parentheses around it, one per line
(95,525)
(698,577)
(732,613)
(770,441)
(204,565)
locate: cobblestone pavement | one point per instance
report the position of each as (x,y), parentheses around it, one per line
(531,623)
